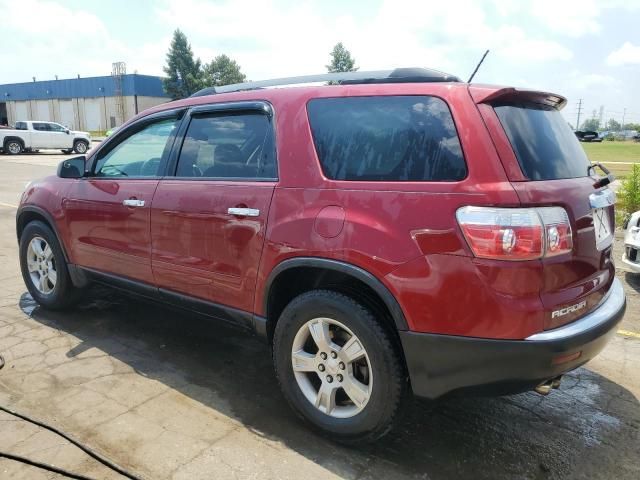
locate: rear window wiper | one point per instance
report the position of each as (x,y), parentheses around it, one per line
(602,181)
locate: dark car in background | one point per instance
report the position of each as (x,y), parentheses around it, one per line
(588,136)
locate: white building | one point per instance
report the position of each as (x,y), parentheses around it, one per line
(93,104)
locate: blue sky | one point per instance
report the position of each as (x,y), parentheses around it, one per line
(580,49)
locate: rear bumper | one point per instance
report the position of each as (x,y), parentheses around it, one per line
(442,364)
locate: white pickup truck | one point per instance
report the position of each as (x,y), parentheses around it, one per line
(31,135)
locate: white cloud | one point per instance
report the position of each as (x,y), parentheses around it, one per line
(627,54)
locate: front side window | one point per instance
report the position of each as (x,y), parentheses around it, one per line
(41,127)
(55,127)
(228,146)
(386,138)
(138,155)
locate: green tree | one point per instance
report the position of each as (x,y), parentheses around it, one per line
(341,60)
(591,124)
(184,73)
(222,71)
(613,125)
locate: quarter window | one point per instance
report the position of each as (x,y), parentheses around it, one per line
(228,146)
(138,155)
(387,138)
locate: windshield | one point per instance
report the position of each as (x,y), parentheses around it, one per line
(543,142)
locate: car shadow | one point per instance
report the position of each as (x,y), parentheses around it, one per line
(587,428)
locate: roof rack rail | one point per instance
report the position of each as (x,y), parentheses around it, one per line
(398,75)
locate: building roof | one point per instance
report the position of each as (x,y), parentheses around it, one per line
(132,84)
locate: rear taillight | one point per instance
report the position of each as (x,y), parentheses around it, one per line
(516,233)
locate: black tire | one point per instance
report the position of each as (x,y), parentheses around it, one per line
(64,294)
(13,147)
(80,147)
(390,379)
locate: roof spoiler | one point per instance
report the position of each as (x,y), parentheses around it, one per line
(399,75)
(509,94)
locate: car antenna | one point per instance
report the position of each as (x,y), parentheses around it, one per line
(477,67)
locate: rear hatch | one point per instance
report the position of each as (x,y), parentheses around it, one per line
(547,166)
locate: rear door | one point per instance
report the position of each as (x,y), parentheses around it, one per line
(548,167)
(40,136)
(208,222)
(108,212)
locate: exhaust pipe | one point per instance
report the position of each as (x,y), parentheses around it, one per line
(546,387)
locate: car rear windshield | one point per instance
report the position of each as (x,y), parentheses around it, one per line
(386,138)
(544,144)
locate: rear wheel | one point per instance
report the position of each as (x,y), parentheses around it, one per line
(80,147)
(13,147)
(337,366)
(44,268)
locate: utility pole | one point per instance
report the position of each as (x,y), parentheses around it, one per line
(624,112)
(579,112)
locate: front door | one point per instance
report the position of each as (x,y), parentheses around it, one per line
(59,138)
(107,213)
(208,223)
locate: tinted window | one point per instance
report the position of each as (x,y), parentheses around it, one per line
(41,127)
(544,144)
(21,126)
(228,146)
(139,154)
(54,127)
(408,138)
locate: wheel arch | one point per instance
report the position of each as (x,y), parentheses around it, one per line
(9,138)
(30,213)
(309,273)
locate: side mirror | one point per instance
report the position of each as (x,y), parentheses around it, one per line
(67,131)
(72,168)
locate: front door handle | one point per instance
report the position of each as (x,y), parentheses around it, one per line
(243,212)
(133,202)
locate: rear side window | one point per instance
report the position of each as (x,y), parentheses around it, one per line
(228,146)
(544,144)
(392,138)
(21,125)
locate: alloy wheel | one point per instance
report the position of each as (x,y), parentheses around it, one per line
(332,368)
(41,265)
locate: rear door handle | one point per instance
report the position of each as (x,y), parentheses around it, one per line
(243,212)
(133,202)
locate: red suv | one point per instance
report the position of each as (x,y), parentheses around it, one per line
(389,232)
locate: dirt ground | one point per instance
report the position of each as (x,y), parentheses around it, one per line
(167,395)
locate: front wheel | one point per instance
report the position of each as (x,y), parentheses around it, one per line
(80,147)
(44,268)
(338,367)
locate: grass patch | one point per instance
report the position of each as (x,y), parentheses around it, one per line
(613,151)
(610,153)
